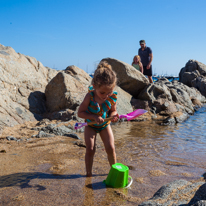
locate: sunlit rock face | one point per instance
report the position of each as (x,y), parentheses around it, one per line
(129,79)
(22,83)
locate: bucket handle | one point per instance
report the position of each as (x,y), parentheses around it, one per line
(130,182)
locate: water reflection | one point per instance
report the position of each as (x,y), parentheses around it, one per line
(88,192)
(96,193)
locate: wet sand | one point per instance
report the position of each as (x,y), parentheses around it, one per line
(51,171)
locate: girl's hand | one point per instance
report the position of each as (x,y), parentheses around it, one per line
(115,118)
(99,120)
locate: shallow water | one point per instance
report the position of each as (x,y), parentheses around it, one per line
(159,154)
(155,154)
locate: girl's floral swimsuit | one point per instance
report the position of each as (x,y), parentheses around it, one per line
(101,110)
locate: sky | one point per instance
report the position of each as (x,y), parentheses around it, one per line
(82,32)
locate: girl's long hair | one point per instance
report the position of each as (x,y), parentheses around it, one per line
(138,57)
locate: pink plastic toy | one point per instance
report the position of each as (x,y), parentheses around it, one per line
(129,117)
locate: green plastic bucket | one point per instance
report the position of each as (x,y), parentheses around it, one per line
(118,176)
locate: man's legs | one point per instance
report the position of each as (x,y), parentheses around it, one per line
(150,79)
(148,72)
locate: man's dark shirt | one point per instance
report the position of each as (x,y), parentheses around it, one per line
(144,55)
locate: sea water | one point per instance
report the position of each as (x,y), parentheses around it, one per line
(158,154)
(169,78)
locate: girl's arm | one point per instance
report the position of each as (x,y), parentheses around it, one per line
(141,67)
(84,107)
(151,58)
(113,112)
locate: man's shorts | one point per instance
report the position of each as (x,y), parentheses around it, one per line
(146,71)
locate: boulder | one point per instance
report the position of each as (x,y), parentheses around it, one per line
(63,115)
(129,79)
(69,87)
(123,101)
(192,66)
(22,83)
(78,74)
(179,192)
(192,92)
(194,75)
(200,84)
(64,92)
(184,95)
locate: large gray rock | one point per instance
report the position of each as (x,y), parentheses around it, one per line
(184,95)
(192,92)
(54,129)
(194,75)
(78,74)
(22,83)
(129,79)
(200,84)
(65,92)
(68,89)
(179,192)
(123,101)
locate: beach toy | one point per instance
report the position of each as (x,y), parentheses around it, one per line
(118,176)
(128,116)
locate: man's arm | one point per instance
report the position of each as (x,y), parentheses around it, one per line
(151,58)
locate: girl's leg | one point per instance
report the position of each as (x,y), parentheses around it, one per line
(108,140)
(90,139)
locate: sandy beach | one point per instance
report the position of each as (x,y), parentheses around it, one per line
(51,171)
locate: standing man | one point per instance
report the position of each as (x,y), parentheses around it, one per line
(146,56)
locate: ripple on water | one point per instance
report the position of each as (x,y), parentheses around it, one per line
(178,151)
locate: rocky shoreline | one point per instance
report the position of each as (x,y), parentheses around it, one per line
(32,92)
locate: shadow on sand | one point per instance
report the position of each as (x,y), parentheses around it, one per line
(22,179)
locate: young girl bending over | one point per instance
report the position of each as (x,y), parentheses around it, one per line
(97,105)
(137,64)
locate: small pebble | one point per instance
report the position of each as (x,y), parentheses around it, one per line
(11,138)
(33,136)
(29,139)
